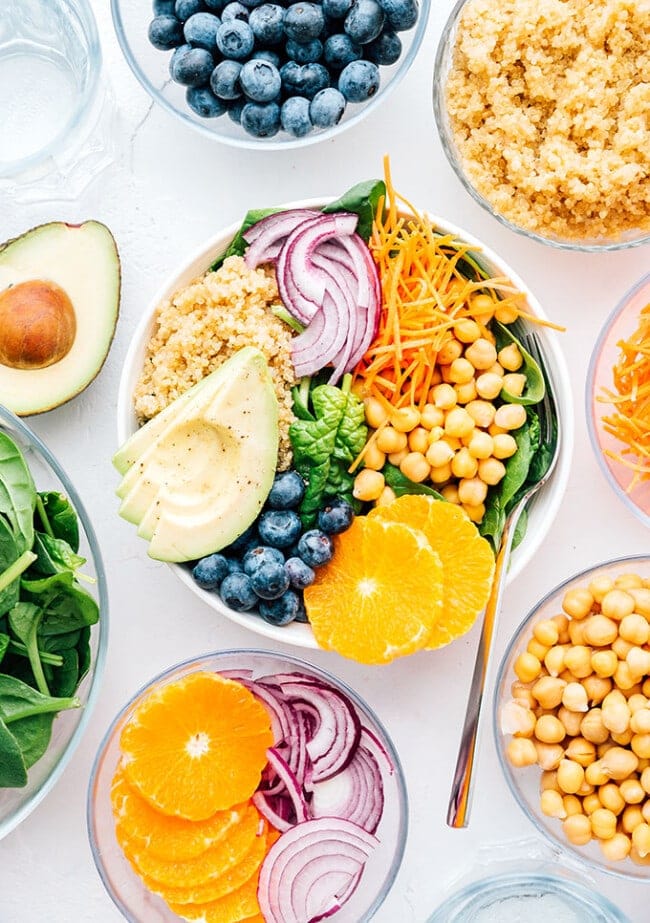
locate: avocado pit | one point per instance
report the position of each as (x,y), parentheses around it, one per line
(37,325)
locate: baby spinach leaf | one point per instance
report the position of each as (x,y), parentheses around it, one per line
(402,485)
(84,652)
(535,386)
(8,555)
(362,199)
(54,555)
(33,736)
(13,772)
(56,511)
(65,679)
(17,493)
(24,620)
(66,607)
(18,700)
(238,245)
(10,580)
(4,645)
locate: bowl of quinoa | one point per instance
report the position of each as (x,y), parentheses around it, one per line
(543,109)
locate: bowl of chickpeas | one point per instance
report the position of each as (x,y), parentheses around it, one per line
(572,716)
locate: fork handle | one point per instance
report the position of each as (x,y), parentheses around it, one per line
(461,791)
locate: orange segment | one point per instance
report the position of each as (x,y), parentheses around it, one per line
(467,559)
(212,863)
(380,595)
(167,837)
(238,905)
(196,746)
(217,887)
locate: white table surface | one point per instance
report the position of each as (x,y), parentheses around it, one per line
(169,189)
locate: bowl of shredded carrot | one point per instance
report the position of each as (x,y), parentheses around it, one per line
(618,399)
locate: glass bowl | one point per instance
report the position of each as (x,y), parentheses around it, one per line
(620,325)
(135,902)
(442,67)
(17,803)
(524,783)
(543,507)
(151,67)
(488,899)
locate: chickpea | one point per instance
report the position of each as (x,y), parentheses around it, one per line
(483,307)
(437,433)
(549,756)
(391,440)
(599,586)
(616,717)
(574,697)
(585,789)
(635,629)
(621,648)
(577,829)
(641,597)
(475,512)
(604,663)
(549,729)
(624,738)
(578,603)
(645,811)
(481,444)
(603,823)
(592,727)
(418,440)
(386,497)
(595,774)
(572,805)
(458,422)
(396,458)
(431,416)
(517,720)
(616,604)
(495,430)
(548,692)
(506,313)
(461,371)
(562,623)
(637,702)
(578,660)
(596,688)
(623,677)
(373,457)
(571,721)
(491,471)
(611,797)
(645,688)
(503,446)
(449,351)
(604,747)
(641,839)
(576,632)
(464,465)
(616,848)
(645,779)
(376,413)
(554,660)
(546,632)
(466,392)
(581,751)
(368,484)
(631,817)
(440,474)
(640,744)
(534,647)
(638,662)
(488,385)
(552,804)
(510,416)
(632,791)
(472,491)
(466,330)
(481,353)
(619,763)
(444,396)
(640,721)
(600,631)
(450,493)
(570,776)
(591,803)
(521,752)
(415,467)
(482,412)
(405,419)
(439,454)
(514,384)
(628,581)
(548,781)
(510,357)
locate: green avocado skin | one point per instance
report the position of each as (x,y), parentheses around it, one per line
(197,478)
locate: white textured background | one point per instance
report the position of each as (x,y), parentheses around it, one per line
(169,189)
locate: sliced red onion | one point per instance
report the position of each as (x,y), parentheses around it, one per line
(262,802)
(267,236)
(356,793)
(310,867)
(281,723)
(372,743)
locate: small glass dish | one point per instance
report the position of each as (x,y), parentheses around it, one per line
(620,325)
(151,68)
(442,67)
(17,803)
(524,782)
(127,890)
(517,896)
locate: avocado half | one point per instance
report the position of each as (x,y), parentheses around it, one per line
(59,302)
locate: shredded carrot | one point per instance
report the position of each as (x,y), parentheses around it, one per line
(629,423)
(425,292)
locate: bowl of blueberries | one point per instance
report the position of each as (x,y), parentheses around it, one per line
(278,74)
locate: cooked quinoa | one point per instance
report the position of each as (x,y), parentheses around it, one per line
(204,324)
(549,104)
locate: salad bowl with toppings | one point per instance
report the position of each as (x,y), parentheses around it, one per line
(53,620)
(403,424)
(298,813)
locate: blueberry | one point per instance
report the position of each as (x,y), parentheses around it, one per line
(340,50)
(281,611)
(359,80)
(165,32)
(270,580)
(336,517)
(186,8)
(248,534)
(267,23)
(304,21)
(203,101)
(262,120)
(313,77)
(315,548)
(326,108)
(400,14)
(252,3)
(261,82)
(234,110)
(300,574)
(259,555)
(336,9)
(304,52)
(225,84)
(279,528)
(235,39)
(234,10)
(364,22)
(265,54)
(287,491)
(234,566)
(294,117)
(210,571)
(301,615)
(191,66)
(237,591)
(163,7)
(200,30)
(216,6)
(384,50)
(290,74)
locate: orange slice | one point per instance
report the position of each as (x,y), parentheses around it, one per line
(196,746)
(380,595)
(167,837)
(216,861)
(467,559)
(238,905)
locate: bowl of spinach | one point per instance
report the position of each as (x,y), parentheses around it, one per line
(53,620)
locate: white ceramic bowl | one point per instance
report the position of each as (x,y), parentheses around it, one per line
(544,506)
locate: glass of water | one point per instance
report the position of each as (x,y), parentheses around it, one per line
(50,82)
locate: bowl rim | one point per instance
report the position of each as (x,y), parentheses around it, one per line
(297,634)
(445,46)
(254,653)
(556,840)
(95,680)
(249,142)
(590,396)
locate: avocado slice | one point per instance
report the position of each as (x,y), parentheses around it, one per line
(202,479)
(59,303)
